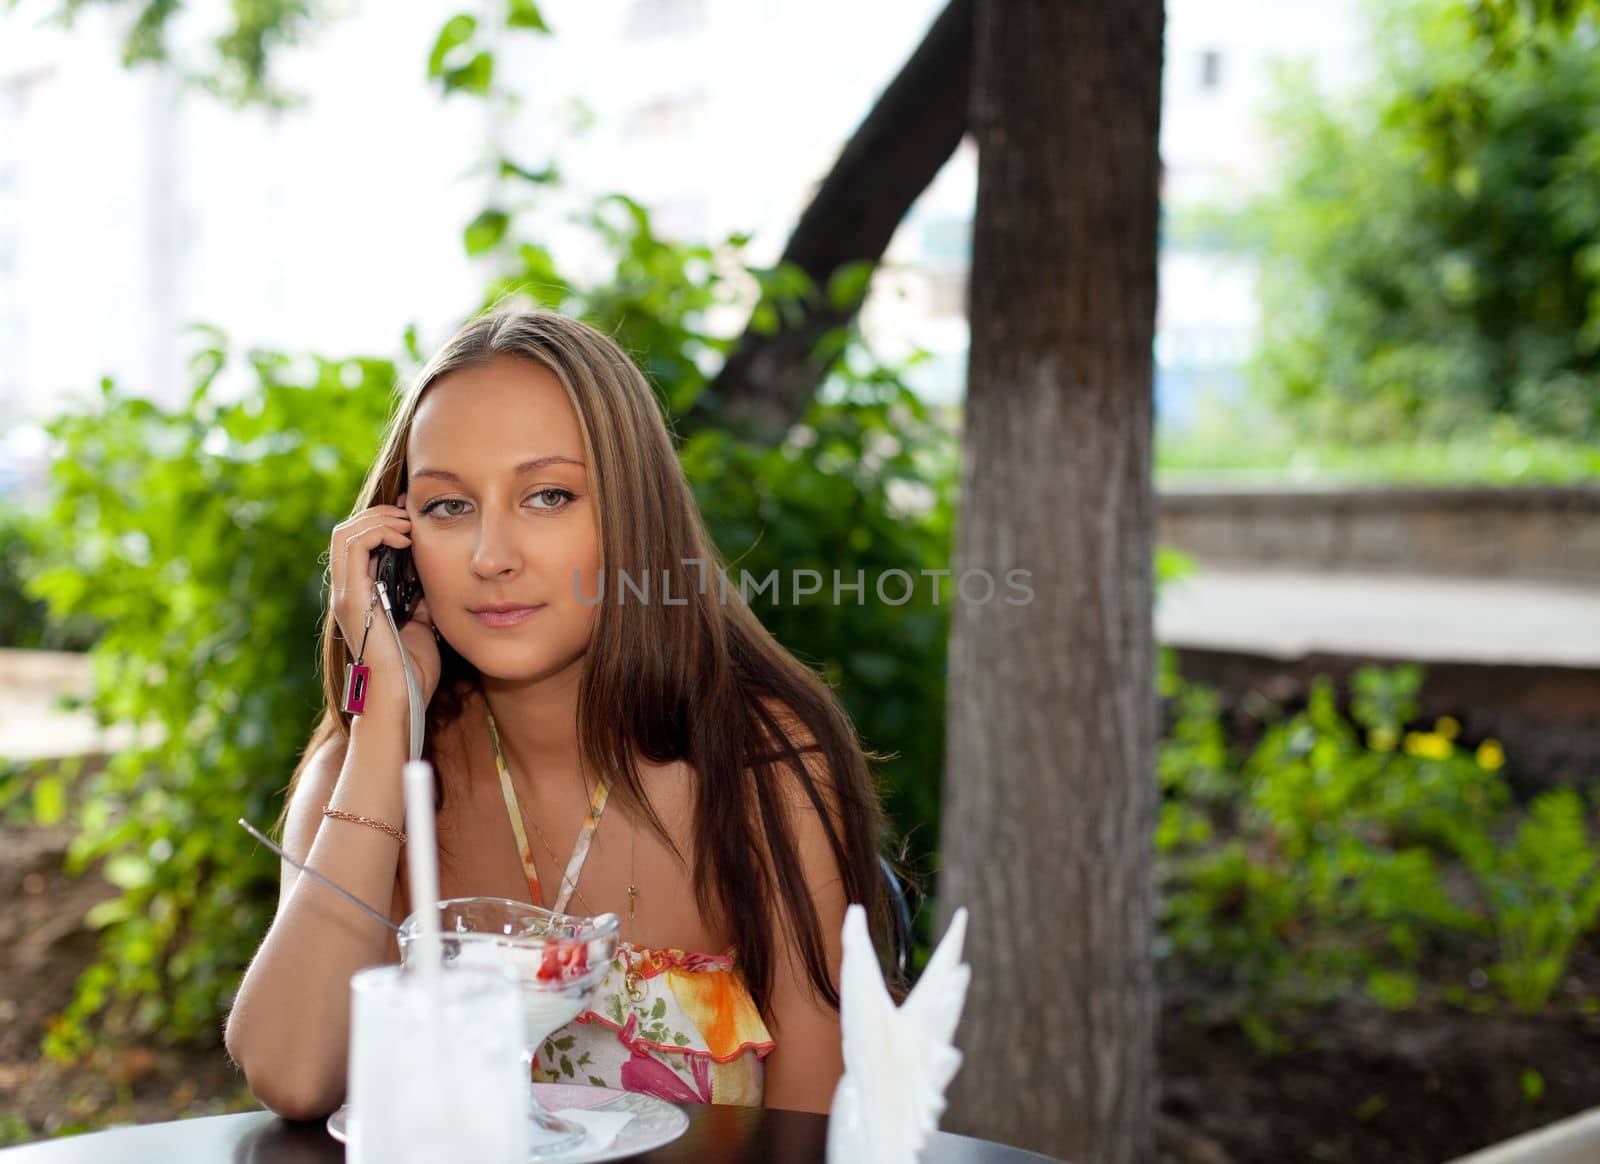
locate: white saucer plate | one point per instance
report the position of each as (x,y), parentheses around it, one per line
(655,1121)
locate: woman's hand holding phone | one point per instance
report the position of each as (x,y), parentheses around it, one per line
(353,571)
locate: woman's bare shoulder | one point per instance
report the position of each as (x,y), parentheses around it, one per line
(793,731)
(797,749)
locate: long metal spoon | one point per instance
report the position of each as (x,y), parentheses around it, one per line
(344,893)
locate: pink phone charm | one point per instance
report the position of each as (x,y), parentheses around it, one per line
(356,674)
(355,687)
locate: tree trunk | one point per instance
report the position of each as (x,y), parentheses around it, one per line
(1050,792)
(910,132)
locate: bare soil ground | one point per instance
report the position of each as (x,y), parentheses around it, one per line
(43,947)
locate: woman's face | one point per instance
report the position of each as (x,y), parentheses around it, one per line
(503,519)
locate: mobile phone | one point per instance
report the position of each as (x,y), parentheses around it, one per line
(399,577)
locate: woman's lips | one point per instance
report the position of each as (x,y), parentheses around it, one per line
(506,616)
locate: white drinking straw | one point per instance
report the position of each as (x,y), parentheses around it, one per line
(422,863)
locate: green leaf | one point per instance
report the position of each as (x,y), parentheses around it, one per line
(1371,1107)
(455,33)
(1392,991)
(107,913)
(848,284)
(475,77)
(127,871)
(1533,1085)
(49,801)
(549,176)
(484,232)
(764,318)
(525,14)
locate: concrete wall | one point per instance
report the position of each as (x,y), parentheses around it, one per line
(1548,533)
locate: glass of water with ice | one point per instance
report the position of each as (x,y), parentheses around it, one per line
(434,1071)
(558,961)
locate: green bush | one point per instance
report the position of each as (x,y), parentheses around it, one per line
(193,537)
(863,486)
(1542,890)
(1222,439)
(1316,866)
(24,618)
(1433,255)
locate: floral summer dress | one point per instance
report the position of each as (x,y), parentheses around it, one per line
(675,1025)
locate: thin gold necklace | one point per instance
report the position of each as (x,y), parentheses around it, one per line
(633,870)
(633,879)
(632,982)
(633,873)
(556,861)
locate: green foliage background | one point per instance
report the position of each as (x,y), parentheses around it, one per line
(193,537)
(1433,255)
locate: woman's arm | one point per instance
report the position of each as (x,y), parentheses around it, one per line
(289,1028)
(804,1068)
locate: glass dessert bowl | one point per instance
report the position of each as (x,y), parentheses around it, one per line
(558,961)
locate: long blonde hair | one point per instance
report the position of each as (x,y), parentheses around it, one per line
(701,682)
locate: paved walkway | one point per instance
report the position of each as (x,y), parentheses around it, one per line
(32,726)
(1287,614)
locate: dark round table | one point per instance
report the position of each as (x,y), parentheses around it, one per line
(716,1135)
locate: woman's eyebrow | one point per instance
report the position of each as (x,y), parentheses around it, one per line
(524,467)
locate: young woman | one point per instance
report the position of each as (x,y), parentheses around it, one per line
(663,759)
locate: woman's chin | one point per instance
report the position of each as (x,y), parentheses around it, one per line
(521,668)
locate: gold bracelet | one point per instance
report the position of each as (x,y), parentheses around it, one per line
(356,818)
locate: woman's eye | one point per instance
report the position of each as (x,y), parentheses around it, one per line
(560,497)
(547,499)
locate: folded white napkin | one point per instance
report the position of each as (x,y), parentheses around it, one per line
(897,1060)
(603,1126)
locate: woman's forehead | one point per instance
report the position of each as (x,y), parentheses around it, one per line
(503,415)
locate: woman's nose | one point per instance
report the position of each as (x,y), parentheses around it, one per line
(496,552)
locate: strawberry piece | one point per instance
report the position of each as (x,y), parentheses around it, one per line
(577,960)
(549,965)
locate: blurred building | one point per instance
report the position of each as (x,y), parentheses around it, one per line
(1222,61)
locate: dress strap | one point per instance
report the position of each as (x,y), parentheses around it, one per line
(580,851)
